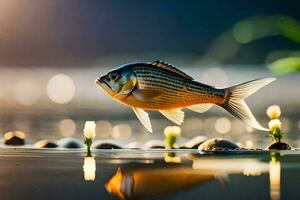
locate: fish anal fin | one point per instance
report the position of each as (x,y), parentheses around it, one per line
(143,94)
(174,115)
(143,117)
(200,108)
(171,68)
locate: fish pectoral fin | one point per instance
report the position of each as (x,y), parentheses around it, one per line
(143,117)
(200,108)
(174,115)
(143,94)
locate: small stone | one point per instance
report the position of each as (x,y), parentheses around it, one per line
(154,144)
(279,146)
(217,144)
(70,143)
(193,143)
(106,145)
(45,144)
(14,138)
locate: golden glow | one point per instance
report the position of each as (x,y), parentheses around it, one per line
(67,127)
(274,175)
(60,89)
(89,168)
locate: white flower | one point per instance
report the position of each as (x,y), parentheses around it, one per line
(273,111)
(89,168)
(274,124)
(172,131)
(89,129)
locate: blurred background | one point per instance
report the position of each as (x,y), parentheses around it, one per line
(52,51)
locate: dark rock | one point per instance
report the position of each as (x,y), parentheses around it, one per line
(45,144)
(14,138)
(193,143)
(279,146)
(70,143)
(105,145)
(154,144)
(215,144)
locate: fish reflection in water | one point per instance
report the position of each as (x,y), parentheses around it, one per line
(147,183)
(150,183)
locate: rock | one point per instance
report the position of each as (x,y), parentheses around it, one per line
(279,146)
(154,144)
(14,138)
(70,143)
(217,144)
(106,145)
(45,144)
(193,143)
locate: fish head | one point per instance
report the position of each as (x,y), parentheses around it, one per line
(118,83)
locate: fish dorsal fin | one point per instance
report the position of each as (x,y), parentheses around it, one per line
(174,115)
(200,108)
(143,117)
(171,68)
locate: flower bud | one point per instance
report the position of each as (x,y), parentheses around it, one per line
(89,129)
(275,124)
(273,112)
(172,131)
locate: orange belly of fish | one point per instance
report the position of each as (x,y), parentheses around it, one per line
(152,104)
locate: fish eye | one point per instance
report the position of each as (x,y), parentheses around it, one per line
(113,76)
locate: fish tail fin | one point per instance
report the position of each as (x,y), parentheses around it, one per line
(235,104)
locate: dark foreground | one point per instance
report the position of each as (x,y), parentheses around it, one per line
(155,174)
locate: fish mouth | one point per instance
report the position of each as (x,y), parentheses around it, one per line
(102,83)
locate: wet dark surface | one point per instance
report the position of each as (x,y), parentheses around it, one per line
(155,174)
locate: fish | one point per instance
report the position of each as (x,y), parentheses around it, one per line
(151,183)
(159,86)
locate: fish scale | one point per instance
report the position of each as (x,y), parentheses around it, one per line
(174,88)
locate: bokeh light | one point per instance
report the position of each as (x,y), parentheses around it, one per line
(238,127)
(103,129)
(219,79)
(67,127)
(121,131)
(60,89)
(223,125)
(27,92)
(192,126)
(243,31)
